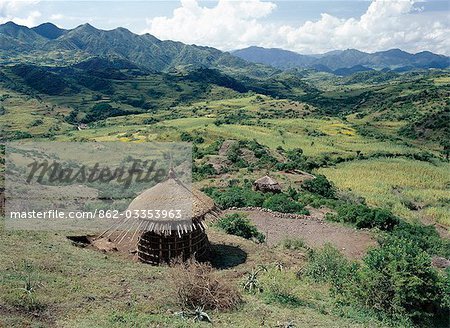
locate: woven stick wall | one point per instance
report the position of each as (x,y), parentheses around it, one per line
(155,249)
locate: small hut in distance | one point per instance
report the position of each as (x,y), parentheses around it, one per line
(267,184)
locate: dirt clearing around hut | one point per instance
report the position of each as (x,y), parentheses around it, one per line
(315,233)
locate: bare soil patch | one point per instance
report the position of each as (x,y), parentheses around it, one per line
(351,242)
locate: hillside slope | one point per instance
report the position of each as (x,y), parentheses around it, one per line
(147,51)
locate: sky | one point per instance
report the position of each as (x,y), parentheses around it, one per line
(302,26)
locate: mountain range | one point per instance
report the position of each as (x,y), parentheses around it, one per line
(343,62)
(47,42)
(86,41)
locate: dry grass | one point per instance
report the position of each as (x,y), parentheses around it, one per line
(197,286)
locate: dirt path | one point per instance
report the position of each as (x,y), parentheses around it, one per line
(353,243)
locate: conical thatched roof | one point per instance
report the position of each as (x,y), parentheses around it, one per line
(188,207)
(266,183)
(266,180)
(173,195)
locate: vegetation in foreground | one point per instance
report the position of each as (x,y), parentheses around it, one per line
(377,145)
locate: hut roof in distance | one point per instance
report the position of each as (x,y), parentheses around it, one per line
(267,183)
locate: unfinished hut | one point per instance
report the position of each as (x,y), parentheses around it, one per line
(165,239)
(267,184)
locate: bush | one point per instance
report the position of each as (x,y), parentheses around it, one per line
(328,265)
(320,185)
(316,201)
(366,217)
(36,122)
(293,244)
(150,120)
(283,203)
(185,136)
(235,197)
(424,237)
(199,172)
(197,287)
(238,225)
(397,279)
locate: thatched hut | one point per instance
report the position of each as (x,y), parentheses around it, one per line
(165,239)
(267,184)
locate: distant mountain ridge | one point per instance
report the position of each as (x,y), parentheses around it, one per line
(143,50)
(47,41)
(341,61)
(49,31)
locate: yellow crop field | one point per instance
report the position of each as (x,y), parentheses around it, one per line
(398,183)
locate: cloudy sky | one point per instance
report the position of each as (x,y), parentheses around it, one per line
(302,26)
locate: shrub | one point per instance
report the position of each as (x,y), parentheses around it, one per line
(236,197)
(104,110)
(380,218)
(365,217)
(251,282)
(295,155)
(278,287)
(328,265)
(36,122)
(293,244)
(201,171)
(424,237)
(185,136)
(283,203)
(238,225)
(317,201)
(294,160)
(197,287)
(320,185)
(397,279)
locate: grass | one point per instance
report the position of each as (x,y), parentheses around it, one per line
(316,136)
(338,139)
(396,184)
(79,287)
(26,114)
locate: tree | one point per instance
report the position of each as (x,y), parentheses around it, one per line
(320,185)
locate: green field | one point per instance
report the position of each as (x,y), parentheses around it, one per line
(398,184)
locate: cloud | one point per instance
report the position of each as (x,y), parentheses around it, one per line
(226,25)
(18,11)
(54,17)
(231,24)
(386,24)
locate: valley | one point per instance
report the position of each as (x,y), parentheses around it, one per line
(362,156)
